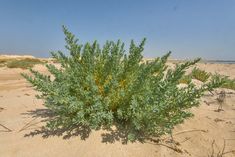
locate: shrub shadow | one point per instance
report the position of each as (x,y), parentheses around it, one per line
(66,133)
(109,135)
(120,134)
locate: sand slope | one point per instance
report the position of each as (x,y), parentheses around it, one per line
(19,107)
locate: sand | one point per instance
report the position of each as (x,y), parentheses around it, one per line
(21,119)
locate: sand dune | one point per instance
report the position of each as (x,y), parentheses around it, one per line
(15,56)
(22,115)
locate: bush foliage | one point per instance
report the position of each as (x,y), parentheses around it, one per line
(229,83)
(185,79)
(23,63)
(101,87)
(200,75)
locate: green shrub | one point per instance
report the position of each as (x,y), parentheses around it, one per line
(200,75)
(186,79)
(23,63)
(3,61)
(102,87)
(230,84)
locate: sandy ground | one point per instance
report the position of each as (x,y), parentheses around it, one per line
(22,115)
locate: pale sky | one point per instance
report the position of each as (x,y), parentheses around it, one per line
(188,28)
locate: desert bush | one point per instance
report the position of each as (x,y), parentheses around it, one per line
(23,63)
(101,87)
(229,83)
(4,61)
(200,75)
(185,79)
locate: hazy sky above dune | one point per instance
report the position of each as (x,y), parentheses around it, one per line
(188,28)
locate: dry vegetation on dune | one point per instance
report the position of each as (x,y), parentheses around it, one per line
(203,76)
(23,63)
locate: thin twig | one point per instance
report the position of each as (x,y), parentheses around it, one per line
(211,92)
(173,148)
(212,145)
(154,140)
(220,153)
(185,131)
(27,125)
(34,124)
(231,151)
(193,130)
(186,139)
(223,151)
(157,142)
(9,130)
(170,147)
(223,147)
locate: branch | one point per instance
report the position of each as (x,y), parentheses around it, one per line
(8,130)
(27,125)
(193,130)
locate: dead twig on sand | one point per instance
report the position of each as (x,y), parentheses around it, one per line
(186,139)
(8,130)
(157,142)
(220,153)
(185,131)
(29,124)
(193,130)
(178,150)
(211,92)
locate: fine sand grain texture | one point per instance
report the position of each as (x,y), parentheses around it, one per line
(22,118)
